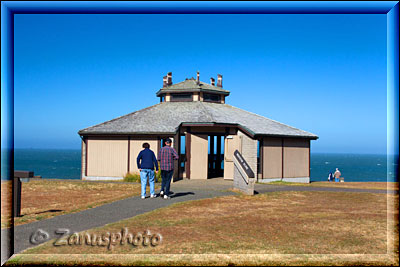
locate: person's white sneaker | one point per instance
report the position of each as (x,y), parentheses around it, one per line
(153,196)
(166,197)
(143,197)
(162,193)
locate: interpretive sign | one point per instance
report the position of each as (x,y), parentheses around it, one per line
(243,175)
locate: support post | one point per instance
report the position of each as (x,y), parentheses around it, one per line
(17,189)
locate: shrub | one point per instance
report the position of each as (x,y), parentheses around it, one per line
(132,177)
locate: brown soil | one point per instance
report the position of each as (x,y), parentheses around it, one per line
(360,185)
(43,199)
(279,223)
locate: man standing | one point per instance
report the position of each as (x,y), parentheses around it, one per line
(166,156)
(146,161)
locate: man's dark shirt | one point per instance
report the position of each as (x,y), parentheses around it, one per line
(148,160)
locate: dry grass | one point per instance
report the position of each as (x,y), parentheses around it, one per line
(280,223)
(6,204)
(42,199)
(203,260)
(360,185)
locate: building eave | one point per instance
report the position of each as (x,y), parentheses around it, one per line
(286,136)
(194,90)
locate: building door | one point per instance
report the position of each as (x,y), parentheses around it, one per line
(232,142)
(198,156)
(215,156)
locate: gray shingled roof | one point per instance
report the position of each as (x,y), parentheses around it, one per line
(190,85)
(165,118)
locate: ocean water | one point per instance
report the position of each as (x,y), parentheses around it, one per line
(49,163)
(66,164)
(354,167)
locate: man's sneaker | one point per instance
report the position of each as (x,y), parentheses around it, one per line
(153,196)
(166,197)
(143,197)
(161,193)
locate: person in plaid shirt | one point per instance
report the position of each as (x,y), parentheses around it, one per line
(166,157)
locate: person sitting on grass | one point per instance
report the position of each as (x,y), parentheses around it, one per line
(330,177)
(146,161)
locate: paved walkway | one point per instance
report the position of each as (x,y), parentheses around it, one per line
(113,212)
(109,213)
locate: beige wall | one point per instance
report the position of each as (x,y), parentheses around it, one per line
(83,159)
(195,96)
(175,143)
(167,97)
(107,157)
(199,156)
(272,157)
(249,150)
(135,148)
(296,158)
(231,144)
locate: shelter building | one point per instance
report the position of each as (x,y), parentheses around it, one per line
(205,133)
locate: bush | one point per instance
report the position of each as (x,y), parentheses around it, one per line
(132,177)
(135,177)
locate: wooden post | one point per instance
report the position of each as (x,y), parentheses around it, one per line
(16,197)
(218,163)
(261,151)
(283,149)
(211,160)
(188,152)
(16,190)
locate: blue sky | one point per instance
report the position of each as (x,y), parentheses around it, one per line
(325,74)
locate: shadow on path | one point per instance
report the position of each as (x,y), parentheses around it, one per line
(181,194)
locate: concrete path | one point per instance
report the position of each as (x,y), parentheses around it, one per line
(113,212)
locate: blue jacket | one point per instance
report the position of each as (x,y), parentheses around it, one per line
(148,160)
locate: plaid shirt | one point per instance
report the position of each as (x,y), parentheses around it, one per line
(166,157)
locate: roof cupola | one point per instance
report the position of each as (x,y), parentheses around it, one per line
(192,90)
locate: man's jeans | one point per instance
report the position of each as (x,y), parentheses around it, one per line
(144,174)
(166,181)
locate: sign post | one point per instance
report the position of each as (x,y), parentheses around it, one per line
(243,175)
(16,191)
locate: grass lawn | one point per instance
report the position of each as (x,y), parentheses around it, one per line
(280,228)
(42,199)
(360,185)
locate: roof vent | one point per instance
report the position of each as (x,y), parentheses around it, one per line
(169,78)
(212,81)
(164,81)
(219,81)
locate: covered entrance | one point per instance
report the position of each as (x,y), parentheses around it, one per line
(201,151)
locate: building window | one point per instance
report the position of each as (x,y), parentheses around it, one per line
(211,98)
(181,97)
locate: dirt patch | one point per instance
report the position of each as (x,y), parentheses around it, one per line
(359,185)
(42,199)
(303,223)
